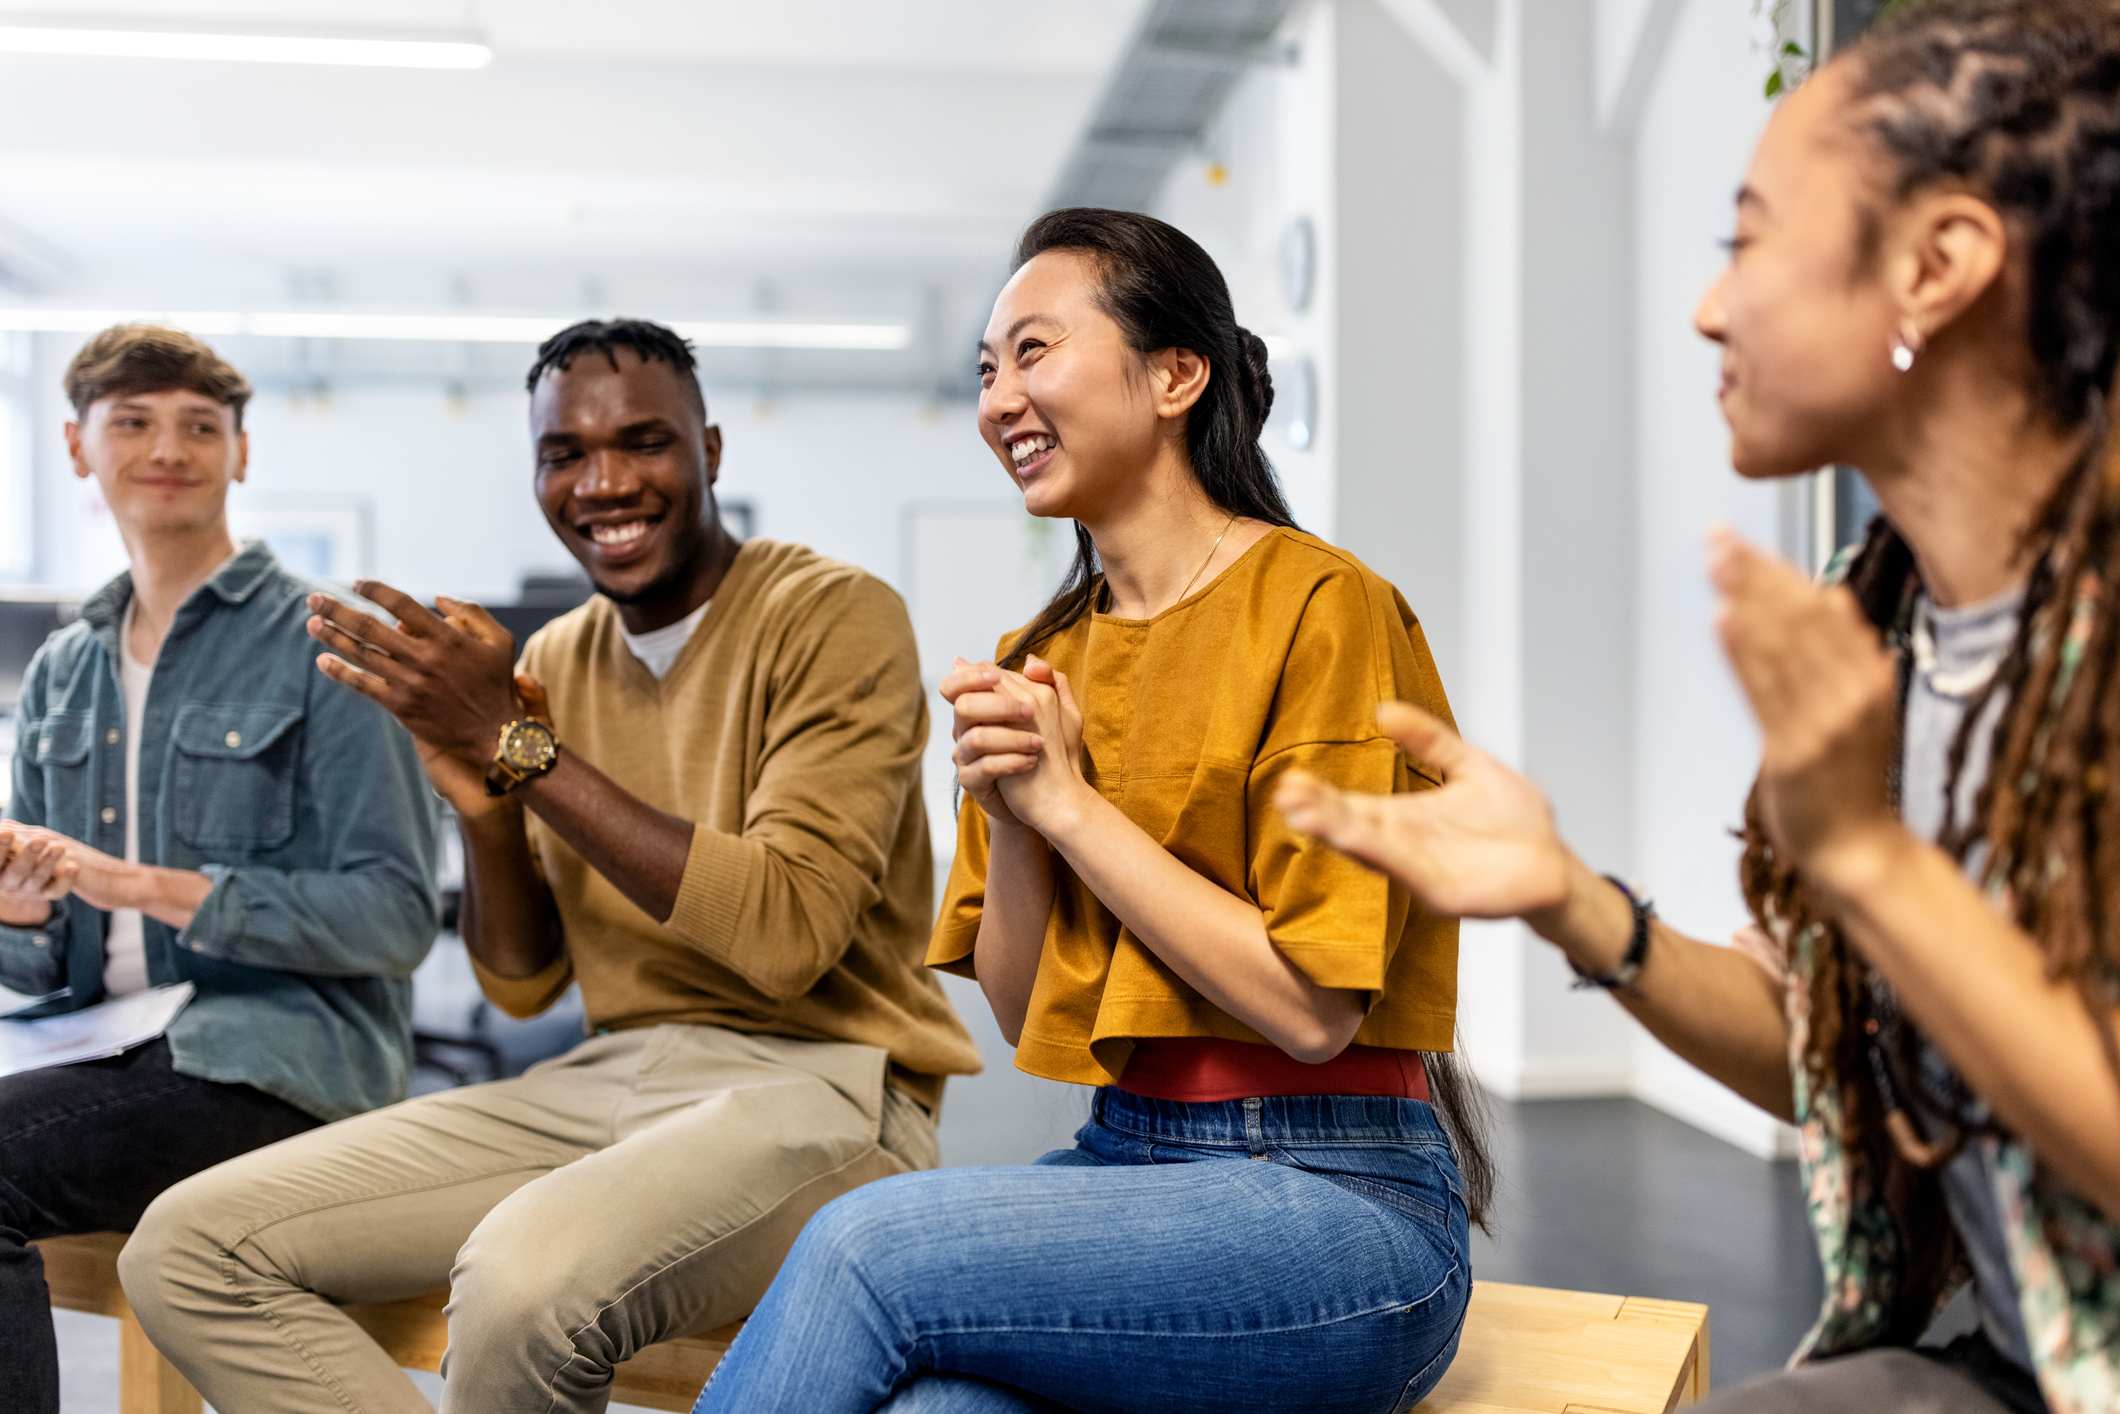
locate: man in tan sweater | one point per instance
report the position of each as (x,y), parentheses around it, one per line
(699,798)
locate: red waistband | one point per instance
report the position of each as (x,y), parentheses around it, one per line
(1203,1069)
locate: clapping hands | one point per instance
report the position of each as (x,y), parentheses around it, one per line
(1018,742)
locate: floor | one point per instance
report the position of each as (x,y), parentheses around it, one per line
(1601,1195)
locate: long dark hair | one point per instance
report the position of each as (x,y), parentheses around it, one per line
(1165,292)
(2017,101)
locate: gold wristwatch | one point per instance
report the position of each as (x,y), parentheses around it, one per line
(527,750)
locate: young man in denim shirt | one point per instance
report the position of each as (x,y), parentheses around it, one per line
(192,803)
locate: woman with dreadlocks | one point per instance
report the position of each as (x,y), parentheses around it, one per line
(1924,284)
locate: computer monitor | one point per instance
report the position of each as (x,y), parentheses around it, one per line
(24,625)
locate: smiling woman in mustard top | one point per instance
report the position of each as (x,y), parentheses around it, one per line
(1142,921)
(1188,720)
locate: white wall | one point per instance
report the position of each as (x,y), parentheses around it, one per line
(1267,145)
(1578,521)
(1621,29)
(1696,747)
(1432,469)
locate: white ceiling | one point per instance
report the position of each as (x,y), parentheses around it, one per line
(689,157)
(1071,36)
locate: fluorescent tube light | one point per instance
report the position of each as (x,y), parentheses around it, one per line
(396,51)
(760,334)
(450,328)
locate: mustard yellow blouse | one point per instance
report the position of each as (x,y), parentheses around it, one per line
(1190,719)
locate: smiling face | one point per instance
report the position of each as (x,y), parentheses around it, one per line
(164,461)
(1066,404)
(626,465)
(1802,312)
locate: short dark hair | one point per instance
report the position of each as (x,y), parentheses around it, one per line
(147,358)
(649,341)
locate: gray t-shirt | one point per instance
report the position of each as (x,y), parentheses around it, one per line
(1965,646)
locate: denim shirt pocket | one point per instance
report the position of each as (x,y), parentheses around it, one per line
(62,746)
(233,779)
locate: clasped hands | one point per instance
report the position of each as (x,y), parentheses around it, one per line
(39,867)
(447,674)
(1018,744)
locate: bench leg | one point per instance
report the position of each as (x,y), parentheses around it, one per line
(1700,1368)
(147,1383)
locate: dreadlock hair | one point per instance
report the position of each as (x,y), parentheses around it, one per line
(2018,102)
(650,342)
(1164,291)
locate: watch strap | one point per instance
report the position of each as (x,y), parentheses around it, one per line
(502,778)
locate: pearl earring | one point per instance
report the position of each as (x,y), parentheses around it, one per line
(1905,350)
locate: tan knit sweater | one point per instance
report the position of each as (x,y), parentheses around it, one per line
(789,730)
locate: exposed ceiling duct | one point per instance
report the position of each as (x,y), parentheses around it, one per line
(1168,88)
(1157,107)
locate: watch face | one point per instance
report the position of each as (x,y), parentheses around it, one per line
(529,746)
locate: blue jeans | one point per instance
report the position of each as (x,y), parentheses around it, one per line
(1154,1266)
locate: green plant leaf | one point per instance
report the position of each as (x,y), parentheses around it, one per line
(1790,49)
(1775,84)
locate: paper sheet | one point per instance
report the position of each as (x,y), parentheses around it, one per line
(13,1003)
(106,1029)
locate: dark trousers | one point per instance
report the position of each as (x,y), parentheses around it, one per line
(1966,1377)
(85,1148)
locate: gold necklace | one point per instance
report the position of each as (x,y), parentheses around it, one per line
(1089,641)
(1206,562)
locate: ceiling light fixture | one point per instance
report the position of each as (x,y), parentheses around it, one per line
(451,328)
(361,49)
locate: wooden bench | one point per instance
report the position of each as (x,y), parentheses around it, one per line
(83,1275)
(1526,1350)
